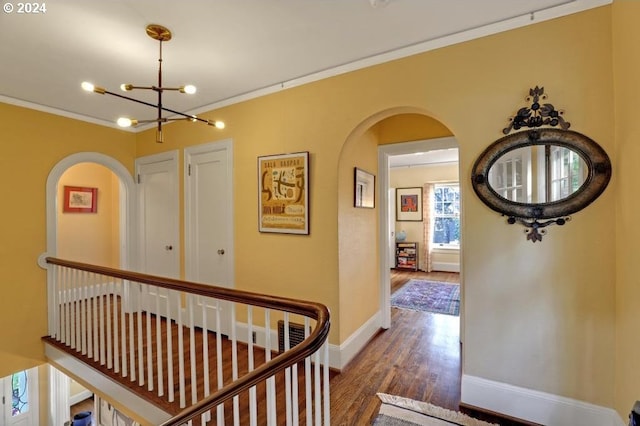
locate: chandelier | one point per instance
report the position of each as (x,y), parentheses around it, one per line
(160,33)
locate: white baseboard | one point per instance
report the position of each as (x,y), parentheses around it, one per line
(339,356)
(358,340)
(80,396)
(534,406)
(445,267)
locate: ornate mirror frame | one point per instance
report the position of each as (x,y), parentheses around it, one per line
(535,216)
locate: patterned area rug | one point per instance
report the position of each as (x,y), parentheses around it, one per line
(399,411)
(428,296)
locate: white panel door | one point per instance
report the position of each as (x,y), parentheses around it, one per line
(209,224)
(24,397)
(158,222)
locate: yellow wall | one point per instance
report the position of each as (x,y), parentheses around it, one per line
(90,237)
(540,316)
(358,239)
(32,143)
(626,35)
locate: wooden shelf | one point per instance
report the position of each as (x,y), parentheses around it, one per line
(407,255)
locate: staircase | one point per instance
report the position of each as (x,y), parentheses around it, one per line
(174,352)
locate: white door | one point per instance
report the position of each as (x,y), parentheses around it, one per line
(20,398)
(209,225)
(392,227)
(158,221)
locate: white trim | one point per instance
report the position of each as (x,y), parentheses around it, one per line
(445,266)
(80,396)
(58,413)
(118,395)
(384,152)
(568,8)
(534,406)
(356,342)
(339,356)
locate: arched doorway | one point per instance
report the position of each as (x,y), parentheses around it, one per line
(125,205)
(368,146)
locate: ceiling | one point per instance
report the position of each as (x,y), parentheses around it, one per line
(230,49)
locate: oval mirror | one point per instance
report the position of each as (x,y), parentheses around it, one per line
(541,174)
(537,173)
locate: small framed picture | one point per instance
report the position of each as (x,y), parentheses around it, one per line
(364,189)
(409,204)
(80,200)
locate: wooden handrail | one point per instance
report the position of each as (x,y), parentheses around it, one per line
(307,347)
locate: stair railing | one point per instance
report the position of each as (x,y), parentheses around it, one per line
(210,351)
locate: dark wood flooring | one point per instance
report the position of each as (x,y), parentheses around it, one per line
(417,358)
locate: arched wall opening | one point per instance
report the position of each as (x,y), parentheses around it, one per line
(363,234)
(123,206)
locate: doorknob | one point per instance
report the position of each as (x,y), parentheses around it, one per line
(168,248)
(221,251)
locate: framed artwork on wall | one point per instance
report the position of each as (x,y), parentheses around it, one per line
(283,193)
(79,199)
(409,204)
(364,189)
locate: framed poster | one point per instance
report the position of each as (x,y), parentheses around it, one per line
(80,200)
(409,204)
(364,189)
(283,191)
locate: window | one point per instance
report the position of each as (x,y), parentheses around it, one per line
(19,394)
(446,215)
(567,172)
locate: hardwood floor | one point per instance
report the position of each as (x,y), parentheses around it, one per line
(418,358)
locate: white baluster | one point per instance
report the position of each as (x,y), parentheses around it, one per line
(287,371)
(272,412)
(192,350)
(147,306)
(171,395)
(101,300)
(316,382)
(326,395)
(132,346)
(220,408)
(67,319)
(253,409)
(72,304)
(83,313)
(205,356)
(108,319)
(96,328)
(140,335)
(159,344)
(234,363)
(183,401)
(116,348)
(307,379)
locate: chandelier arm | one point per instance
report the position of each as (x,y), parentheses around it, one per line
(129,99)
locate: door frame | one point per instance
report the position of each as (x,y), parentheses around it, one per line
(225,145)
(173,158)
(384,216)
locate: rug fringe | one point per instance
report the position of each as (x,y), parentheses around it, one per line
(432,410)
